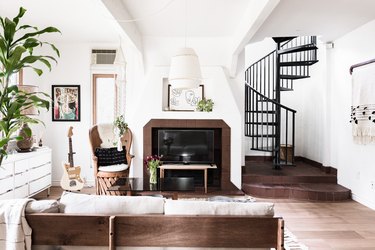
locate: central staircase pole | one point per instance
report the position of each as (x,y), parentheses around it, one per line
(278,110)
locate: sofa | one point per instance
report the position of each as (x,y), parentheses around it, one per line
(146,221)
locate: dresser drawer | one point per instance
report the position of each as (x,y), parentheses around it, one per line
(22,191)
(39,184)
(21,179)
(39,160)
(7,195)
(37,172)
(21,166)
(6,184)
(6,170)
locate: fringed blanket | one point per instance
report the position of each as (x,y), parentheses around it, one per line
(15,233)
(363,100)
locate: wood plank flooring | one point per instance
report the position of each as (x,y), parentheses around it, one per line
(318,225)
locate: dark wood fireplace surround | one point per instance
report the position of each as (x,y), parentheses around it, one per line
(224,165)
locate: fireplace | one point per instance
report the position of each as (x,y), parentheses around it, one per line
(220,154)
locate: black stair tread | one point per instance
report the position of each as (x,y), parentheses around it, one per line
(263,123)
(265,136)
(264,112)
(293,77)
(298,63)
(285,89)
(283,39)
(266,100)
(300,48)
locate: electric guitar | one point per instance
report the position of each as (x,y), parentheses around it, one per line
(71,179)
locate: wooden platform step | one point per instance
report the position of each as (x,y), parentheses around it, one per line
(302,191)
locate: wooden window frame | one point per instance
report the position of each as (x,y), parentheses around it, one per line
(94,92)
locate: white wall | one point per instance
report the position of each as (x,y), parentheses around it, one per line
(73,68)
(355,163)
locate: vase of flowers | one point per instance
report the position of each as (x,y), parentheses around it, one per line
(152,163)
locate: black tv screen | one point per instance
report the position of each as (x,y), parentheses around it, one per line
(187,146)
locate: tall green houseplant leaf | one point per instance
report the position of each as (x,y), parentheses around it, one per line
(17,45)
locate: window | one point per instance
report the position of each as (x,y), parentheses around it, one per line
(104,98)
(16,79)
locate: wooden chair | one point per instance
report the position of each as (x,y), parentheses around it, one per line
(104,178)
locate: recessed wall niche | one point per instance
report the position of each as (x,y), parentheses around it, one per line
(175,99)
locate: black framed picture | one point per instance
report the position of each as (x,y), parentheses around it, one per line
(66,103)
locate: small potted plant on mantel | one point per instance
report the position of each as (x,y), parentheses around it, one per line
(17,44)
(205,105)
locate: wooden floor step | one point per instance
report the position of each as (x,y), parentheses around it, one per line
(285,179)
(302,191)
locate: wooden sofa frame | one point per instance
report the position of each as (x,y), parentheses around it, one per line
(157,230)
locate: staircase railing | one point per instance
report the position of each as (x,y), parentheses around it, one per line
(261,122)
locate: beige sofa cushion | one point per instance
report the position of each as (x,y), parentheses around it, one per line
(188,207)
(108,205)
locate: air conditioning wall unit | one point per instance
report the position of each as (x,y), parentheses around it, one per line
(103,56)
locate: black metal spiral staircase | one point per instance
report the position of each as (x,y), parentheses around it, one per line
(270,124)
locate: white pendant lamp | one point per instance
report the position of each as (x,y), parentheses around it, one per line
(185,71)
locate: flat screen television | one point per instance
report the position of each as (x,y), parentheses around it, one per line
(187,146)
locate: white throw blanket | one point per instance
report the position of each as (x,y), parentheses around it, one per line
(363,100)
(15,233)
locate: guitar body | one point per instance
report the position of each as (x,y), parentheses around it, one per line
(71,179)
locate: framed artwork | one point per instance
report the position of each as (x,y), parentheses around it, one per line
(184,99)
(66,103)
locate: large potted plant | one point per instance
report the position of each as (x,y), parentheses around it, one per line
(17,44)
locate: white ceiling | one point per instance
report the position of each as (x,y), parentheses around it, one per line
(329,19)
(78,20)
(89,20)
(203,18)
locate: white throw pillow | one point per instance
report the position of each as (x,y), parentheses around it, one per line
(42,206)
(187,207)
(109,205)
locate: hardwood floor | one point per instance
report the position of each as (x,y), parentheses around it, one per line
(318,225)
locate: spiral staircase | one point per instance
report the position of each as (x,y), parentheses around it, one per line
(271,127)
(270,124)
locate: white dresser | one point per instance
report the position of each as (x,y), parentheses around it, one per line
(25,174)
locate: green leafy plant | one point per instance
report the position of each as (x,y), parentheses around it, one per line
(205,105)
(120,125)
(17,44)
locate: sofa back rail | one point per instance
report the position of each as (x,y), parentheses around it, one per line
(157,230)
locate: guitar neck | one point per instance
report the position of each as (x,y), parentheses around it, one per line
(70,154)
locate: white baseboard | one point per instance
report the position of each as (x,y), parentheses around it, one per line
(363,201)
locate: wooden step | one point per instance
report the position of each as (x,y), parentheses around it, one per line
(302,191)
(300,48)
(298,63)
